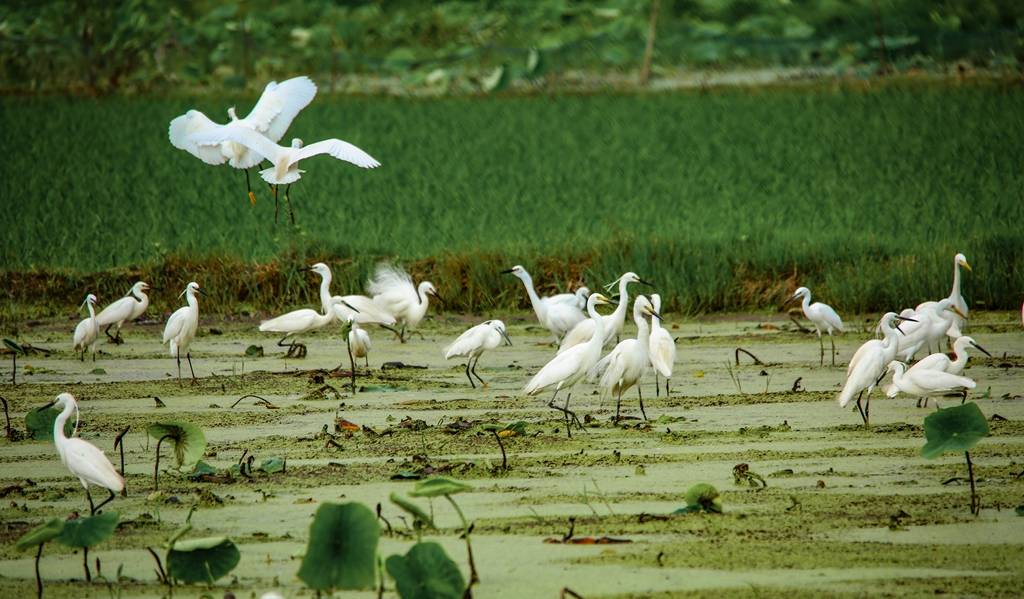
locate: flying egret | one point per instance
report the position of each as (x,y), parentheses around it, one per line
(302,321)
(822,316)
(935,320)
(85,461)
(362,309)
(627,363)
(613,323)
(126,309)
(285,160)
(867,366)
(88,330)
(271,117)
(181,328)
(558,314)
(474,342)
(393,291)
(923,383)
(955,297)
(662,348)
(571,366)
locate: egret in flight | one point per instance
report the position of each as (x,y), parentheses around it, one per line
(181,328)
(474,342)
(867,367)
(613,323)
(88,330)
(627,363)
(85,461)
(571,366)
(271,117)
(558,313)
(662,348)
(394,292)
(823,317)
(126,309)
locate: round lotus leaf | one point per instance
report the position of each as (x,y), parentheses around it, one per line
(202,560)
(438,487)
(43,533)
(188,440)
(88,531)
(342,549)
(953,429)
(426,572)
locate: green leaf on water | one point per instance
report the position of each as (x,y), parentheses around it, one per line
(342,549)
(40,424)
(15,347)
(953,429)
(419,516)
(272,465)
(202,560)
(702,497)
(44,533)
(438,486)
(201,469)
(88,531)
(426,572)
(188,440)
(97,371)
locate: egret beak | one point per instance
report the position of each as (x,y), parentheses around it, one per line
(643,282)
(508,341)
(968,267)
(654,314)
(789,301)
(508,271)
(981,349)
(957,311)
(47,406)
(201,292)
(305,268)
(350,306)
(906,318)
(438,298)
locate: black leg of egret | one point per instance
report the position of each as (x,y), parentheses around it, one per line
(393,330)
(657,385)
(468,376)
(564,411)
(401,336)
(861,409)
(821,354)
(288,201)
(188,356)
(618,404)
(367,358)
(106,331)
(964,398)
(473,370)
(248,189)
(105,501)
(640,393)
(575,420)
(178,359)
(92,507)
(833,342)
(666,387)
(275,203)
(351,364)
(289,346)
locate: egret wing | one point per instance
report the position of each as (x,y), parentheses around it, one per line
(939,380)
(87,462)
(184,129)
(118,311)
(279,105)
(175,324)
(581,333)
(342,150)
(663,352)
(466,342)
(243,135)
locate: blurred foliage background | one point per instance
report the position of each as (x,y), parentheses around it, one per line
(459,46)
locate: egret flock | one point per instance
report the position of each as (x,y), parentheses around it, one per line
(581,334)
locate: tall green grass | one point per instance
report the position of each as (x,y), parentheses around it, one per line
(725,199)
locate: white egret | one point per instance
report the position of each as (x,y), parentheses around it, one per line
(577,298)
(359,340)
(474,342)
(613,323)
(182,326)
(955,297)
(285,160)
(88,331)
(934,321)
(662,348)
(627,363)
(271,117)
(571,366)
(85,461)
(298,322)
(941,361)
(362,309)
(393,291)
(126,309)
(823,317)
(923,383)
(558,313)
(867,367)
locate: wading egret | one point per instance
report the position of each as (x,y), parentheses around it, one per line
(302,321)
(823,317)
(181,328)
(285,160)
(558,313)
(88,330)
(359,340)
(613,323)
(85,461)
(271,117)
(867,367)
(924,383)
(955,297)
(126,309)
(474,342)
(578,298)
(393,291)
(934,322)
(571,366)
(627,363)
(345,306)
(941,361)
(662,348)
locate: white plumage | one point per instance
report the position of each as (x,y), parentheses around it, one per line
(359,341)
(362,309)
(824,319)
(868,364)
(393,291)
(662,348)
(301,321)
(126,309)
(923,383)
(613,323)
(935,320)
(88,330)
(85,461)
(941,361)
(558,313)
(181,328)
(627,363)
(578,298)
(955,297)
(474,342)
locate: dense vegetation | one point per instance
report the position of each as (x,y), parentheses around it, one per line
(460,45)
(723,198)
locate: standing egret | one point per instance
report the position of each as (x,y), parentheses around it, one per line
(955,297)
(571,366)
(662,348)
(362,309)
(85,461)
(867,366)
(393,291)
(302,321)
(474,342)
(923,383)
(359,340)
(627,363)
(823,317)
(271,117)
(577,298)
(613,323)
(88,330)
(934,321)
(558,313)
(285,160)
(941,361)
(181,328)
(126,309)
